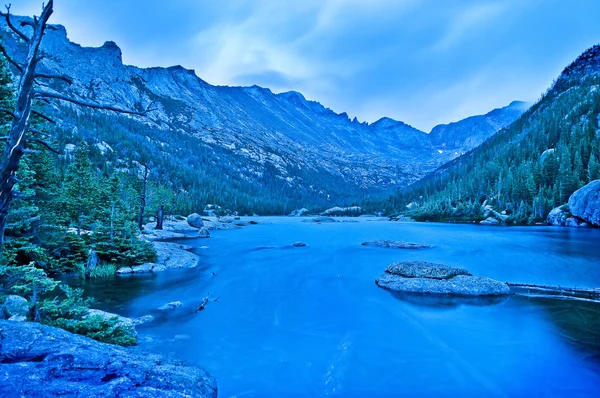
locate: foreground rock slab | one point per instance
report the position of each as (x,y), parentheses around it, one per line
(429,278)
(45,361)
(395,244)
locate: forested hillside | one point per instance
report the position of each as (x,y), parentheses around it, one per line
(526,169)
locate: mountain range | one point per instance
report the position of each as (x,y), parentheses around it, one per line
(246,136)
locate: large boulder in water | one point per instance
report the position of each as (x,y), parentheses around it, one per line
(195,220)
(429,278)
(585,203)
(45,361)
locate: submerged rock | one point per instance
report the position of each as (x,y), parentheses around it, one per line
(195,220)
(429,278)
(321,220)
(299,244)
(170,306)
(561,216)
(585,203)
(395,244)
(52,362)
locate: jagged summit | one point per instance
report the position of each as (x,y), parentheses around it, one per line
(587,63)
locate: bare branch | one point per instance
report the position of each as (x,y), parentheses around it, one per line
(34,131)
(64,78)
(6,15)
(45,144)
(8,57)
(46,118)
(48,94)
(2,110)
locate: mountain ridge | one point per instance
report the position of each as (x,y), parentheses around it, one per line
(307,146)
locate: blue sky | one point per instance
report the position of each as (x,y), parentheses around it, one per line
(424,62)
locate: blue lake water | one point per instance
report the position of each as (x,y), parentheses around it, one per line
(310,321)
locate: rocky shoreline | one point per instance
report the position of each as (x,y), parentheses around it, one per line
(49,361)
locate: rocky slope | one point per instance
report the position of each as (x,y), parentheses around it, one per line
(251,133)
(37,360)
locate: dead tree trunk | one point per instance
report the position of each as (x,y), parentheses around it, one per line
(27,91)
(143,198)
(92,263)
(159,218)
(15,148)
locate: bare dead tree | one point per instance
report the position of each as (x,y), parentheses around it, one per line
(143,198)
(160,217)
(28,89)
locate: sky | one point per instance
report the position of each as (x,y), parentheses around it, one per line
(424,62)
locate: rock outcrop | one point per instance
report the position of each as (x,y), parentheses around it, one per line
(585,203)
(429,278)
(299,212)
(45,361)
(170,255)
(561,216)
(395,244)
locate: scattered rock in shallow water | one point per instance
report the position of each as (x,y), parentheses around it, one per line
(299,244)
(170,306)
(172,256)
(46,361)
(489,221)
(585,203)
(395,244)
(429,278)
(203,233)
(14,306)
(423,269)
(321,220)
(142,320)
(195,220)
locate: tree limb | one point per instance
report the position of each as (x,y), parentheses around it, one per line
(48,94)
(46,118)
(34,131)
(2,110)
(45,144)
(53,76)
(8,57)
(6,15)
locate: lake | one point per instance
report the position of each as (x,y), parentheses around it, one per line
(310,321)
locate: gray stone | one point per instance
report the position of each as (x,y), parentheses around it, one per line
(124,271)
(18,318)
(203,233)
(195,220)
(142,320)
(122,321)
(461,285)
(585,203)
(423,269)
(490,221)
(43,360)
(171,255)
(15,305)
(299,244)
(299,212)
(170,306)
(395,244)
(561,216)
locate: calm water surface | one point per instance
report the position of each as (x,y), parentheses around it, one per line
(310,322)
